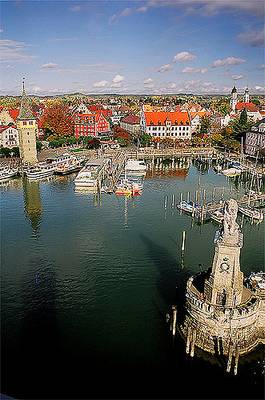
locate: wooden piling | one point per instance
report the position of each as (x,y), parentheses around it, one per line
(174,320)
(183,241)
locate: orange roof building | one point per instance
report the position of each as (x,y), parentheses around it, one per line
(175,124)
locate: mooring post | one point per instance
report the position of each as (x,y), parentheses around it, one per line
(183,241)
(165,202)
(173,201)
(174,322)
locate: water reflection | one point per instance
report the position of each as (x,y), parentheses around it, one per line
(32,202)
(175,167)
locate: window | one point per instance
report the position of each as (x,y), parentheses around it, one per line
(24,122)
(31,122)
(28,133)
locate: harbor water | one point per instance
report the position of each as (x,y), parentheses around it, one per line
(87,281)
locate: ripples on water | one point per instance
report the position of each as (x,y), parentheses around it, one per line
(86,284)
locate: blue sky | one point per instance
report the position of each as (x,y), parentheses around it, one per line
(150,46)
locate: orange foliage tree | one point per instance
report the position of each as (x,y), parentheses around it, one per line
(57,120)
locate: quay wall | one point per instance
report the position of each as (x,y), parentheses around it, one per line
(206,325)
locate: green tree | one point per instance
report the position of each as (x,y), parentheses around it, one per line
(205,125)
(38,145)
(241,125)
(145,139)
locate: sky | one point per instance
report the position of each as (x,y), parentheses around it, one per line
(132,47)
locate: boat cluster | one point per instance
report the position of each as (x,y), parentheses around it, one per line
(217,215)
(61,165)
(131,183)
(234,169)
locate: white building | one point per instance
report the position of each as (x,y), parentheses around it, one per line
(9,136)
(166,124)
(255,139)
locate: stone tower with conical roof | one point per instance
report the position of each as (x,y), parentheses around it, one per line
(233,101)
(27,129)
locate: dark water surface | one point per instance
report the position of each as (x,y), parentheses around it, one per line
(86,285)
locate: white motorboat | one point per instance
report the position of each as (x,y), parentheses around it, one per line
(86,179)
(252,213)
(189,207)
(39,171)
(135,166)
(6,173)
(217,216)
(231,172)
(69,166)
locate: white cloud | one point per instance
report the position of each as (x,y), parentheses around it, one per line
(76,8)
(62,39)
(36,89)
(252,38)
(12,50)
(190,70)
(164,68)
(148,81)
(184,56)
(227,61)
(127,11)
(212,7)
(260,88)
(1,30)
(118,78)
(262,66)
(49,66)
(100,84)
(142,9)
(237,77)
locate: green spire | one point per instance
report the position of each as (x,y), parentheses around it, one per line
(25,111)
(234,90)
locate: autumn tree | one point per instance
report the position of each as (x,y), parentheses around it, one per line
(57,120)
(241,125)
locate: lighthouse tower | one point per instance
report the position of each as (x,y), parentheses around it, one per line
(27,129)
(233,101)
(246,96)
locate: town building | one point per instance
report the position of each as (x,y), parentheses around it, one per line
(233,100)
(27,129)
(238,106)
(80,109)
(195,119)
(255,140)
(9,136)
(8,116)
(166,124)
(224,315)
(131,124)
(93,124)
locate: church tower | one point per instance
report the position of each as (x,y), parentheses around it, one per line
(27,129)
(246,96)
(233,101)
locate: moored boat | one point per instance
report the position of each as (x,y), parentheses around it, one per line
(189,207)
(39,171)
(231,172)
(135,166)
(252,213)
(6,173)
(217,215)
(68,167)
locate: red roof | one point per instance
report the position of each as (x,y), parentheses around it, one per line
(131,119)
(14,114)
(160,117)
(4,127)
(248,106)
